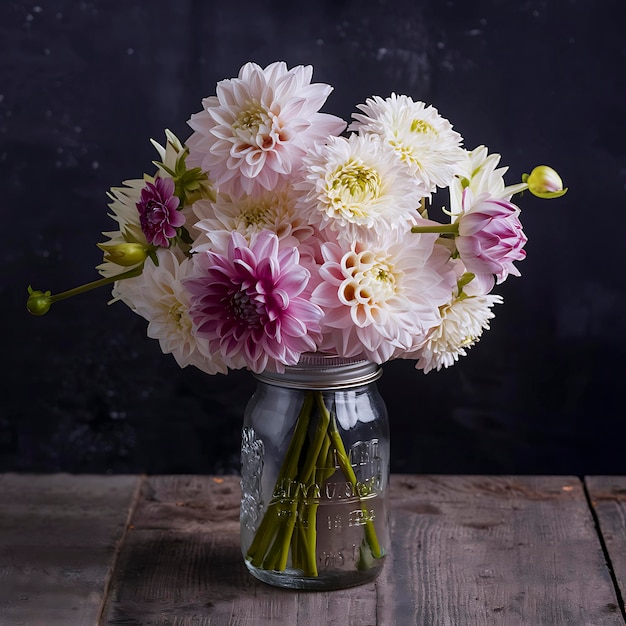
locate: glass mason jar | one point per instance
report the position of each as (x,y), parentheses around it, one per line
(315,475)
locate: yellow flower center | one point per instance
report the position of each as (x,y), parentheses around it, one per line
(405,152)
(358,179)
(255,215)
(251,117)
(179,316)
(351,187)
(422,126)
(253,126)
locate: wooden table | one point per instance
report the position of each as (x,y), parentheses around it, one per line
(466,550)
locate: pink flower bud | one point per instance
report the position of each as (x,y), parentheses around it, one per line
(490,236)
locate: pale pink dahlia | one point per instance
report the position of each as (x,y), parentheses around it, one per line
(251,304)
(490,236)
(158,213)
(258,127)
(272,210)
(379,300)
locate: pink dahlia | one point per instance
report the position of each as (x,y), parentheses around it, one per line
(490,236)
(258,127)
(158,214)
(250,303)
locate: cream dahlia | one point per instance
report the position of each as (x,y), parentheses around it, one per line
(419,135)
(356,187)
(258,126)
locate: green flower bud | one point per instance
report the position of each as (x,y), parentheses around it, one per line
(38,302)
(125,254)
(544,182)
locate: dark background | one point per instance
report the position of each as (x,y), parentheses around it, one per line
(85,85)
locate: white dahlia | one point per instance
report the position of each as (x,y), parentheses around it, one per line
(419,135)
(158,295)
(258,126)
(357,188)
(463,321)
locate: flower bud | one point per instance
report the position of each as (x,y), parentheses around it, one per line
(38,302)
(125,254)
(544,182)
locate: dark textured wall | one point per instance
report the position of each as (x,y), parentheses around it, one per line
(84,85)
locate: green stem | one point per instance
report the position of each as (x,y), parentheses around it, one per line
(344,463)
(289,467)
(287,474)
(279,553)
(264,536)
(308,470)
(96,284)
(440,228)
(306,478)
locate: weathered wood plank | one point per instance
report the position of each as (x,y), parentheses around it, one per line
(495,550)
(608,498)
(466,550)
(58,538)
(181,564)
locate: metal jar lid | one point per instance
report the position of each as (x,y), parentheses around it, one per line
(317,370)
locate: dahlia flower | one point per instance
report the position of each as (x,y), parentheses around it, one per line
(158,296)
(251,303)
(258,126)
(377,300)
(490,236)
(357,188)
(463,321)
(271,210)
(419,135)
(158,216)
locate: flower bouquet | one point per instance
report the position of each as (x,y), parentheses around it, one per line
(275,231)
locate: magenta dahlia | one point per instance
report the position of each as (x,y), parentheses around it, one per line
(158,214)
(251,303)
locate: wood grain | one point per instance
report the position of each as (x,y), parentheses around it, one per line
(58,539)
(495,550)
(608,498)
(466,550)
